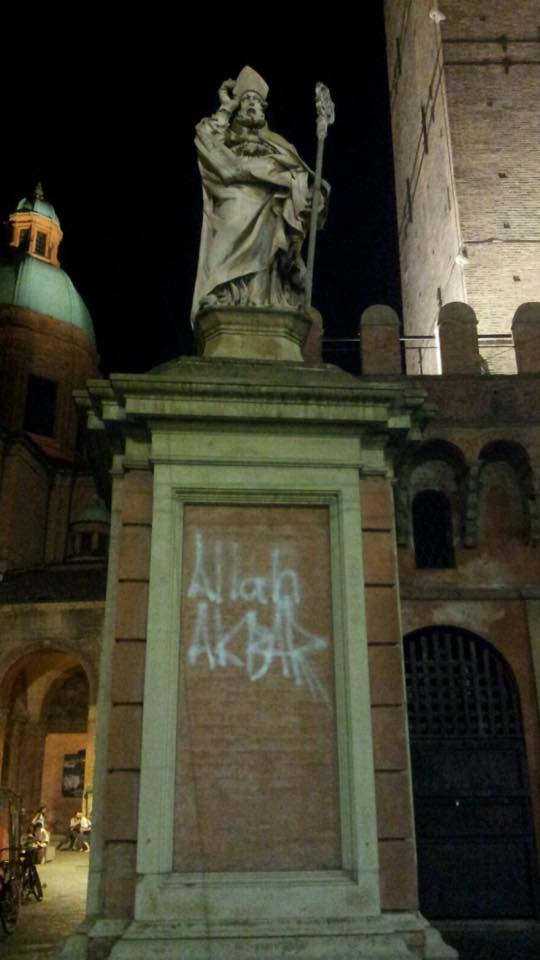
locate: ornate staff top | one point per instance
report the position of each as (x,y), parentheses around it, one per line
(326,113)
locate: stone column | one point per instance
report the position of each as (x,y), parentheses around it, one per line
(90,755)
(30,764)
(458,339)
(379,338)
(526,334)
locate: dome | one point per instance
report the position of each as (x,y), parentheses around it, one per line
(40,206)
(95,511)
(46,289)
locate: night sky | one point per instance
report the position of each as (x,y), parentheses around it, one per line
(111,139)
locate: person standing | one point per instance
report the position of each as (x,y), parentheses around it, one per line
(41,833)
(83,838)
(71,835)
(39,818)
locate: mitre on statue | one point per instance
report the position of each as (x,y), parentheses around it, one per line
(249,79)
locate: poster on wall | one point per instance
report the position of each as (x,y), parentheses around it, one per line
(73,774)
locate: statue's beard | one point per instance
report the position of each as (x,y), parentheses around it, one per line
(251,122)
(248,146)
(244,138)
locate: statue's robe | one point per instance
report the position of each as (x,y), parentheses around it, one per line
(255,216)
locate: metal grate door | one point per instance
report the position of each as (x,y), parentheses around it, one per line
(472,805)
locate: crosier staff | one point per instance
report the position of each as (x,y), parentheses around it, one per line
(325,116)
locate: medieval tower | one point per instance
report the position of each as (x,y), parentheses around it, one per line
(464,85)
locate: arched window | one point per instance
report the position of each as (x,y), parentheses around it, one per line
(435,465)
(432,530)
(507,494)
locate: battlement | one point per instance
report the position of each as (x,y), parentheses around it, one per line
(456,346)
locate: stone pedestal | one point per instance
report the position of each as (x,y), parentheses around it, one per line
(261,333)
(246,790)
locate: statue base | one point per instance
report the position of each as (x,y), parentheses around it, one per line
(257,333)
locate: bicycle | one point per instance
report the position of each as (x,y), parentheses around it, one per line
(10,891)
(30,881)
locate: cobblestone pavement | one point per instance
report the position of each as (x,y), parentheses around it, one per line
(43,925)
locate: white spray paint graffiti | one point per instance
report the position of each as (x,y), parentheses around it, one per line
(250,644)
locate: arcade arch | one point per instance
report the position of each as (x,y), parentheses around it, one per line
(47,733)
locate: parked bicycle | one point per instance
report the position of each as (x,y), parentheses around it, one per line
(10,889)
(19,879)
(28,857)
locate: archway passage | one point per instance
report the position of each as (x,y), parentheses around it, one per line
(475,842)
(46,742)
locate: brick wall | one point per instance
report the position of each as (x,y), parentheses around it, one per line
(124,759)
(493,88)
(31,343)
(257,780)
(465,150)
(24,494)
(392,777)
(428,225)
(59,808)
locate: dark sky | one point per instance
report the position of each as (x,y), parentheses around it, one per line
(111,138)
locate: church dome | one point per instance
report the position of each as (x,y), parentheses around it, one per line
(41,287)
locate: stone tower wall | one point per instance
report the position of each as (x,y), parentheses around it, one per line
(465,121)
(428,224)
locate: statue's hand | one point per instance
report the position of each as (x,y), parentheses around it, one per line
(321,206)
(228,102)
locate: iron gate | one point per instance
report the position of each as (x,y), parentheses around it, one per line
(474,830)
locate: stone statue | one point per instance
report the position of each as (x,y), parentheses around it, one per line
(256,205)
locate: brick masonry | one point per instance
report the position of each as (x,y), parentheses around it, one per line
(257,781)
(392,775)
(469,91)
(127,687)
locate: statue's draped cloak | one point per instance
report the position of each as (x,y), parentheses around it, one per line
(252,208)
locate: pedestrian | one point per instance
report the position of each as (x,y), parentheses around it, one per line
(39,818)
(40,832)
(72,834)
(83,838)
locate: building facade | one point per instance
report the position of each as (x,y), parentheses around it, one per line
(463,77)
(465,497)
(53,526)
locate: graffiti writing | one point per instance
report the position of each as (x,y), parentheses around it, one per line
(267,631)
